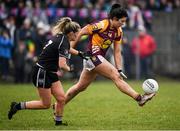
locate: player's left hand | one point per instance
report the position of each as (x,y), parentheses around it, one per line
(83,55)
(122,74)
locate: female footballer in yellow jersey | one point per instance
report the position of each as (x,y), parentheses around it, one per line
(102,34)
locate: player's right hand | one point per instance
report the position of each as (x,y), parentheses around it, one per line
(83,55)
(71,68)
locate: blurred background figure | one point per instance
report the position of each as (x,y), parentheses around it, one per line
(19,62)
(5,53)
(27,33)
(39,14)
(40,37)
(144,46)
(135,15)
(128,58)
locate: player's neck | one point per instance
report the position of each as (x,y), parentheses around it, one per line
(111,25)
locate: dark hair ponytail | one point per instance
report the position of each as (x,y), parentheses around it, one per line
(117,11)
(115,6)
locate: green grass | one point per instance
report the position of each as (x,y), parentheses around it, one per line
(101,106)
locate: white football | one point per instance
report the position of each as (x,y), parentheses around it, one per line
(150,86)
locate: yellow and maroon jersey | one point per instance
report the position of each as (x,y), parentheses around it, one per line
(102,36)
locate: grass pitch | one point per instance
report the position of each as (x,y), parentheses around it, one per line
(101,107)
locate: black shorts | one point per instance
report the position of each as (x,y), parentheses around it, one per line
(42,78)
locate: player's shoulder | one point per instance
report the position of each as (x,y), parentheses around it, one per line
(104,23)
(119,31)
(58,38)
(98,25)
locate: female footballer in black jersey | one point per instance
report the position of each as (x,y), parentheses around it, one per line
(45,72)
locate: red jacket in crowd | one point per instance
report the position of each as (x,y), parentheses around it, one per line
(146,44)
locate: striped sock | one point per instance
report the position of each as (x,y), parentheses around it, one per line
(21,106)
(58,118)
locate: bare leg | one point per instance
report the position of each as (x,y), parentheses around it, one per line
(85,79)
(108,70)
(43,103)
(58,93)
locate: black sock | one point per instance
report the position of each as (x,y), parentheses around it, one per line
(138,98)
(21,106)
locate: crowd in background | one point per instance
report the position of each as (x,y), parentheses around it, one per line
(25,26)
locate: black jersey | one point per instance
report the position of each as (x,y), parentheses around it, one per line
(57,46)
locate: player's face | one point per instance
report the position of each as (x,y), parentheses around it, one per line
(73,36)
(119,22)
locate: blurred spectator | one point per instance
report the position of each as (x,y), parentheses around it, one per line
(144,45)
(39,14)
(29,9)
(146,14)
(169,7)
(152,5)
(100,5)
(20,13)
(52,6)
(10,4)
(176,3)
(19,62)
(135,15)
(26,32)
(40,37)
(3,12)
(127,57)
(5,53)
(162,4)
(29,62)
(11,26)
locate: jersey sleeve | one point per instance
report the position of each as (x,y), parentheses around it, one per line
(95,27)
(64,49)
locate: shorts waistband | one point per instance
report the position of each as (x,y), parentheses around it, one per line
(40,66)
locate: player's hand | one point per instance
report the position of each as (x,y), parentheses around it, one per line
(122,74)
(71,68)
(83,55)
(59,73)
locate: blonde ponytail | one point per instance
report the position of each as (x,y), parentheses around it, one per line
(65,25)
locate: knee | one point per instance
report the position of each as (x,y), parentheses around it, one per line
(46,105)
(115,76)
(61,99)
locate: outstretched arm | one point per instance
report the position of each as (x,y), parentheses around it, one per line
(63,64)
(83,31)
(118,59)
(117,56)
